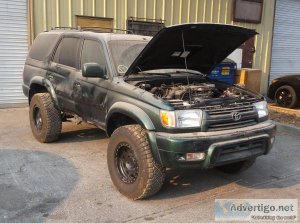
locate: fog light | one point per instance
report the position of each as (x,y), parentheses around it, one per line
(194,156)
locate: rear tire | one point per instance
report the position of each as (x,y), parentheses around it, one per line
(132,168)
(285,96)
(45,118)
(237,167)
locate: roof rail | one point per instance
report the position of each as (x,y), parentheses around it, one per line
(92,29)
(146,19)
(101,29)
(64,28)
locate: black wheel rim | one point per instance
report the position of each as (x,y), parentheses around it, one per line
(126,163)
(37,118)
(284,97)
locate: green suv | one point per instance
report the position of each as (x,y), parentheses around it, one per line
(152,97)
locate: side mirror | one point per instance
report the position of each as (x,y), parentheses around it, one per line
(93,70)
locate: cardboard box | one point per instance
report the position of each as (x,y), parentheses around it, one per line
(251,78)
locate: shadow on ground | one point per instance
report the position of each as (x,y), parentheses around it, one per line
(180,183)
(32,184)
(82,135)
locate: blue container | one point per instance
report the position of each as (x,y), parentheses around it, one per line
(225,71)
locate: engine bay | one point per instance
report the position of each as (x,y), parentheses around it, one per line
(197,94)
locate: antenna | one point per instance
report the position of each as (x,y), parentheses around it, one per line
(185,63)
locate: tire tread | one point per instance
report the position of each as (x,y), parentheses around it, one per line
(155,172)
(52,115)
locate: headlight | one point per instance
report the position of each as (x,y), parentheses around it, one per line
(181,118)
(274,81)
(262,108)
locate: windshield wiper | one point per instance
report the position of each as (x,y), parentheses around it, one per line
(168,74)
(145,74)
(190,72)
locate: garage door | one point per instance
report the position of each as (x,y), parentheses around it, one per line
(13,50)
(286,40)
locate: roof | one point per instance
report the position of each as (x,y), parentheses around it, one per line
(104,36)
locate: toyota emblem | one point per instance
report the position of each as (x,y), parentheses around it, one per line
(236,116)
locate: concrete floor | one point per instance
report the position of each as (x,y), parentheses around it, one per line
(68,181)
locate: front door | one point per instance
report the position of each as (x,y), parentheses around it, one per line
(90,94)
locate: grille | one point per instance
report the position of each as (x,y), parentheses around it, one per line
(230,153)
(220,118)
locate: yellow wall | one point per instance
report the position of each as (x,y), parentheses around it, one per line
(51,13)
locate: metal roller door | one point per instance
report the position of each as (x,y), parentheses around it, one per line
(286,39)
(13,50)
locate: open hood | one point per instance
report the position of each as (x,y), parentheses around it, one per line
(197,47)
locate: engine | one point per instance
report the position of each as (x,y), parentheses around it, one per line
(195,94)
(184,92)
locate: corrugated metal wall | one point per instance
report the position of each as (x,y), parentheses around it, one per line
(51,13)
(13,51)
(286,41)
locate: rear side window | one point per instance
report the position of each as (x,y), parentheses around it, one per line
(67,52)
(42,46)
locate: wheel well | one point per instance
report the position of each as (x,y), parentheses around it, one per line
(36,88)
(117,120)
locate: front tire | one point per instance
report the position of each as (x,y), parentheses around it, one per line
(285,96)
(237,167)
(132,168)
(45,118)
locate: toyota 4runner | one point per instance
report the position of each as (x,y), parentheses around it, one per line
(152,97)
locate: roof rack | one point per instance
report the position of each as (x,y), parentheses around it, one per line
(146,19)
(92,29)
(64,28)
(100,29)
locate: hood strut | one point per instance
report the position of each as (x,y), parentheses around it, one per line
(185,63)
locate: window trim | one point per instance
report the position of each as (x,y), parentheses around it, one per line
(79,48)
(103,47)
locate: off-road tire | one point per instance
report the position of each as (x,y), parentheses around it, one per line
(150,175)
(50,116)
(289,89)
(237,167)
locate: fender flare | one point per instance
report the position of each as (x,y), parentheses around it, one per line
(131,111)
(141,118)
(48,85)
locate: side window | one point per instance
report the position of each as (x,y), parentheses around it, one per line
(92,52)
(67,52)
(42,46)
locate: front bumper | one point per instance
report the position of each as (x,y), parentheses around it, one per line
(220,147)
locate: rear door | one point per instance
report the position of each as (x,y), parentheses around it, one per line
(90,94)
(64,70)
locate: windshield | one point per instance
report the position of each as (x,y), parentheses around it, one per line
(124,53)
